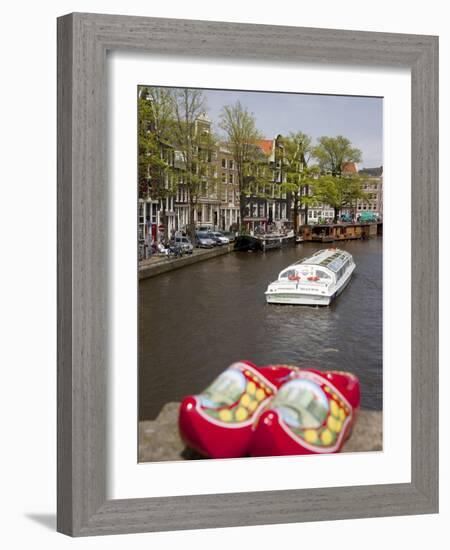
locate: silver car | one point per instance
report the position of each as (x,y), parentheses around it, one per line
(203,240)
(219,237)
(184,243)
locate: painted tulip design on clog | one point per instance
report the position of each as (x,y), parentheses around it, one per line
(218,423)
(312,413)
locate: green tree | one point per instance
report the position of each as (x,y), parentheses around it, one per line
(155,121)
(333,152)
(338,191)
(299,176)
(242,136)
(195,144)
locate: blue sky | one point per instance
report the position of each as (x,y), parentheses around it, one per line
(360,119)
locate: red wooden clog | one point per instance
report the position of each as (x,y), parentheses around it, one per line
(218,423)
(312,413)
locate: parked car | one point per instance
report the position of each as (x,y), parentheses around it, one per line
(184,243)
(203,240)
(219,238)
(230,235)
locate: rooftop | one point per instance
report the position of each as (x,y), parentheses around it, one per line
(331,258)
(266,145)
(349,168)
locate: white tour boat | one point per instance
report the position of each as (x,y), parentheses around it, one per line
(315,280)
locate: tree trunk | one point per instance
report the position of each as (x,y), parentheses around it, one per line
(296,202)
(165,221)
(241,198)
(336,214)
(306,193)
(162,184)
(191,224)
(242,212)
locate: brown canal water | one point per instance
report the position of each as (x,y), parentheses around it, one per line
(197,320)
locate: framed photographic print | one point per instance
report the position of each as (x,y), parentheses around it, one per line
(247,274)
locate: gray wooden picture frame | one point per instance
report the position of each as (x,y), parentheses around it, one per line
(83,41)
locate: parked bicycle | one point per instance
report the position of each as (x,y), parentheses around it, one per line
(174,251)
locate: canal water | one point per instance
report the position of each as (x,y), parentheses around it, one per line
(197,320)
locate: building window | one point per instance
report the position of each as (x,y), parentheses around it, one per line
(230,178)
(224,163)
(224,177)
(230,164)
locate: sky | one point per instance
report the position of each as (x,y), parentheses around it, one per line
(360,119)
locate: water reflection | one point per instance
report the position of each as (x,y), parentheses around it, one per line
(195,321)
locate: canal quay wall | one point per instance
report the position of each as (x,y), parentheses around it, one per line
(159,439)
(161,264)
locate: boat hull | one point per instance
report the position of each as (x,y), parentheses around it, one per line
(294,297)
(262,243)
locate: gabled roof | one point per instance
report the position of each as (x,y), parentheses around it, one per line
(349,168)
(266,145)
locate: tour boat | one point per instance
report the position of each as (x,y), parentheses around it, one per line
(315,280)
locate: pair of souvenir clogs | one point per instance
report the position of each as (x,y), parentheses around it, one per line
(270,411)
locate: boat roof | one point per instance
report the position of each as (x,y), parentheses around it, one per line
(330,258)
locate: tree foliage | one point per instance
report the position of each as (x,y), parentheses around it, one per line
(332,153)
(176,146)
(299,176)
(195,143)
(338,191)
(242,136)
(155,118)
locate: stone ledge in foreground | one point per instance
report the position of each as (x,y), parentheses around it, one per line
(159,439)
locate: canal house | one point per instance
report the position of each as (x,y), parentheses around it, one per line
(267,203)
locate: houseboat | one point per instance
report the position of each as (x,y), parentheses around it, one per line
(315,280)
(330,233)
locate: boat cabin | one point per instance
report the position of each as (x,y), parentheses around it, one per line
(325,266)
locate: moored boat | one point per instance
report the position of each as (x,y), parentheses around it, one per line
(315,280)
(264,242)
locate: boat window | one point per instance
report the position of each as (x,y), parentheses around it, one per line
(288,273)
(322,274)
